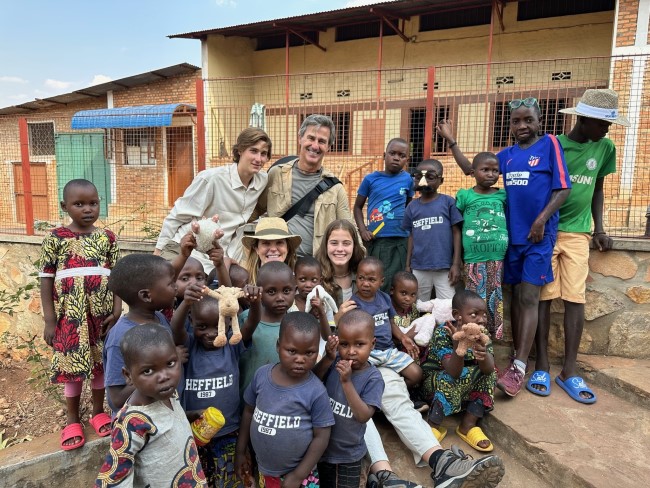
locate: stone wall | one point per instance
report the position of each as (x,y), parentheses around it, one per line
(617,309)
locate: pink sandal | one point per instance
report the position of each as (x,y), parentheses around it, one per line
(69,432)
(101,420)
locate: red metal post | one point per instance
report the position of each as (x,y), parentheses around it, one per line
(379,62)
(428,123)
(27,176)
(286,93)
(200,124)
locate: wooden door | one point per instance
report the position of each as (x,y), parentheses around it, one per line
(180,161)
(39,191)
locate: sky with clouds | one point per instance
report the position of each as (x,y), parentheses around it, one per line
(51,47)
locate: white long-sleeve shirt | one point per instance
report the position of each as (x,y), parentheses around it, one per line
(215,191)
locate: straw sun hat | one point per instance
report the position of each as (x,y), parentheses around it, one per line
(599,104)
(271,229)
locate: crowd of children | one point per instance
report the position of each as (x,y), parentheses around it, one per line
(299,390)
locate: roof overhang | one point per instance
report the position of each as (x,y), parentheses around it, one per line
(321,21)
(96,91)
(130,117)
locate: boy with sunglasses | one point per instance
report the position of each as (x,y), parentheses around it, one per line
(537,183)
(434,245)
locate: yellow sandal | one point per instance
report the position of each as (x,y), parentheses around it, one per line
(473,437)
(440,432)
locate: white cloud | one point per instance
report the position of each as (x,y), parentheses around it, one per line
(226,3)
(99,79)
(12,79)
(58,84)
(19,96)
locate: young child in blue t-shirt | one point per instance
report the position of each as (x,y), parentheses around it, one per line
(287,415)
(355,388)
(434,244)
(370,299)
(212,375)
(147,284)
(388,192)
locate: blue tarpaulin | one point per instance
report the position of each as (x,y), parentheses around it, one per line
(127,117)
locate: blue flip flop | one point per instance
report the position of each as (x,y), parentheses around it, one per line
(539,377)
(574,386)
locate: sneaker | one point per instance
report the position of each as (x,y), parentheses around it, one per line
(389,479)
(455,469)
(511,381)
(421,406)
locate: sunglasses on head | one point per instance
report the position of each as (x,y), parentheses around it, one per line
(526,102)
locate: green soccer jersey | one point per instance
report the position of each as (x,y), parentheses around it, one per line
(485,237)
(586,163)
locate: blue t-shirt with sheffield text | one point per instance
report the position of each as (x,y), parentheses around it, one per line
(284,419)
(346,438)
(212,380)
(112,356)
(381,309)
(386,194)
(430,224)
(530,176)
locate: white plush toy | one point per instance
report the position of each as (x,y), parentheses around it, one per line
(439,312)
(325,297)
(205,234)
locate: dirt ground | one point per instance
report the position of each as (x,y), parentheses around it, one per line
(25,410)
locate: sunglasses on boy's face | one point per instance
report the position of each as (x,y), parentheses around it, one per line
(429,175)
(526,102)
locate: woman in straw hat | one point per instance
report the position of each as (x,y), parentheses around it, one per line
(271,242)
(589,158)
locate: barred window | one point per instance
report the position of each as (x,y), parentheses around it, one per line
(41,138)
(140,146)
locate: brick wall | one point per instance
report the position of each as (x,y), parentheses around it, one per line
(626,22)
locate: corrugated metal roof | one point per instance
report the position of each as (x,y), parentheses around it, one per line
(128,117)
(101,89)
(321,21)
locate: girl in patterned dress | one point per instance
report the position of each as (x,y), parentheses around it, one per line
(454,383)
(78,308)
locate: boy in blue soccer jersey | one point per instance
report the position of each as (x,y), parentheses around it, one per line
(388,193)
(536,181)
(537,184)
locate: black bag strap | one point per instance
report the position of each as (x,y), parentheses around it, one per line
(302,206)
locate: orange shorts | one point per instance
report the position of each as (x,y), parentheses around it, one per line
(570,264)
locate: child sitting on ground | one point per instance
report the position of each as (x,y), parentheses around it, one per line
(403,296)
(287,416)
(146,283)
(454,383)
(355,388)
(388,193)
(74,266)
(434,244)
(278,292)
(369,298)
(151,442)
(212,375)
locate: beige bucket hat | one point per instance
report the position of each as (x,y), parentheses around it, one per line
(601,104)
(271,229)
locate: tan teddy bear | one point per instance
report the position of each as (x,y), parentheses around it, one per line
(468,336)
(228,307)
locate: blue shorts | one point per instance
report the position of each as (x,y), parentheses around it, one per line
(529,262)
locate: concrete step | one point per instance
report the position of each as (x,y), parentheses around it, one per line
(623,377)
(570,444)
(517,474)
